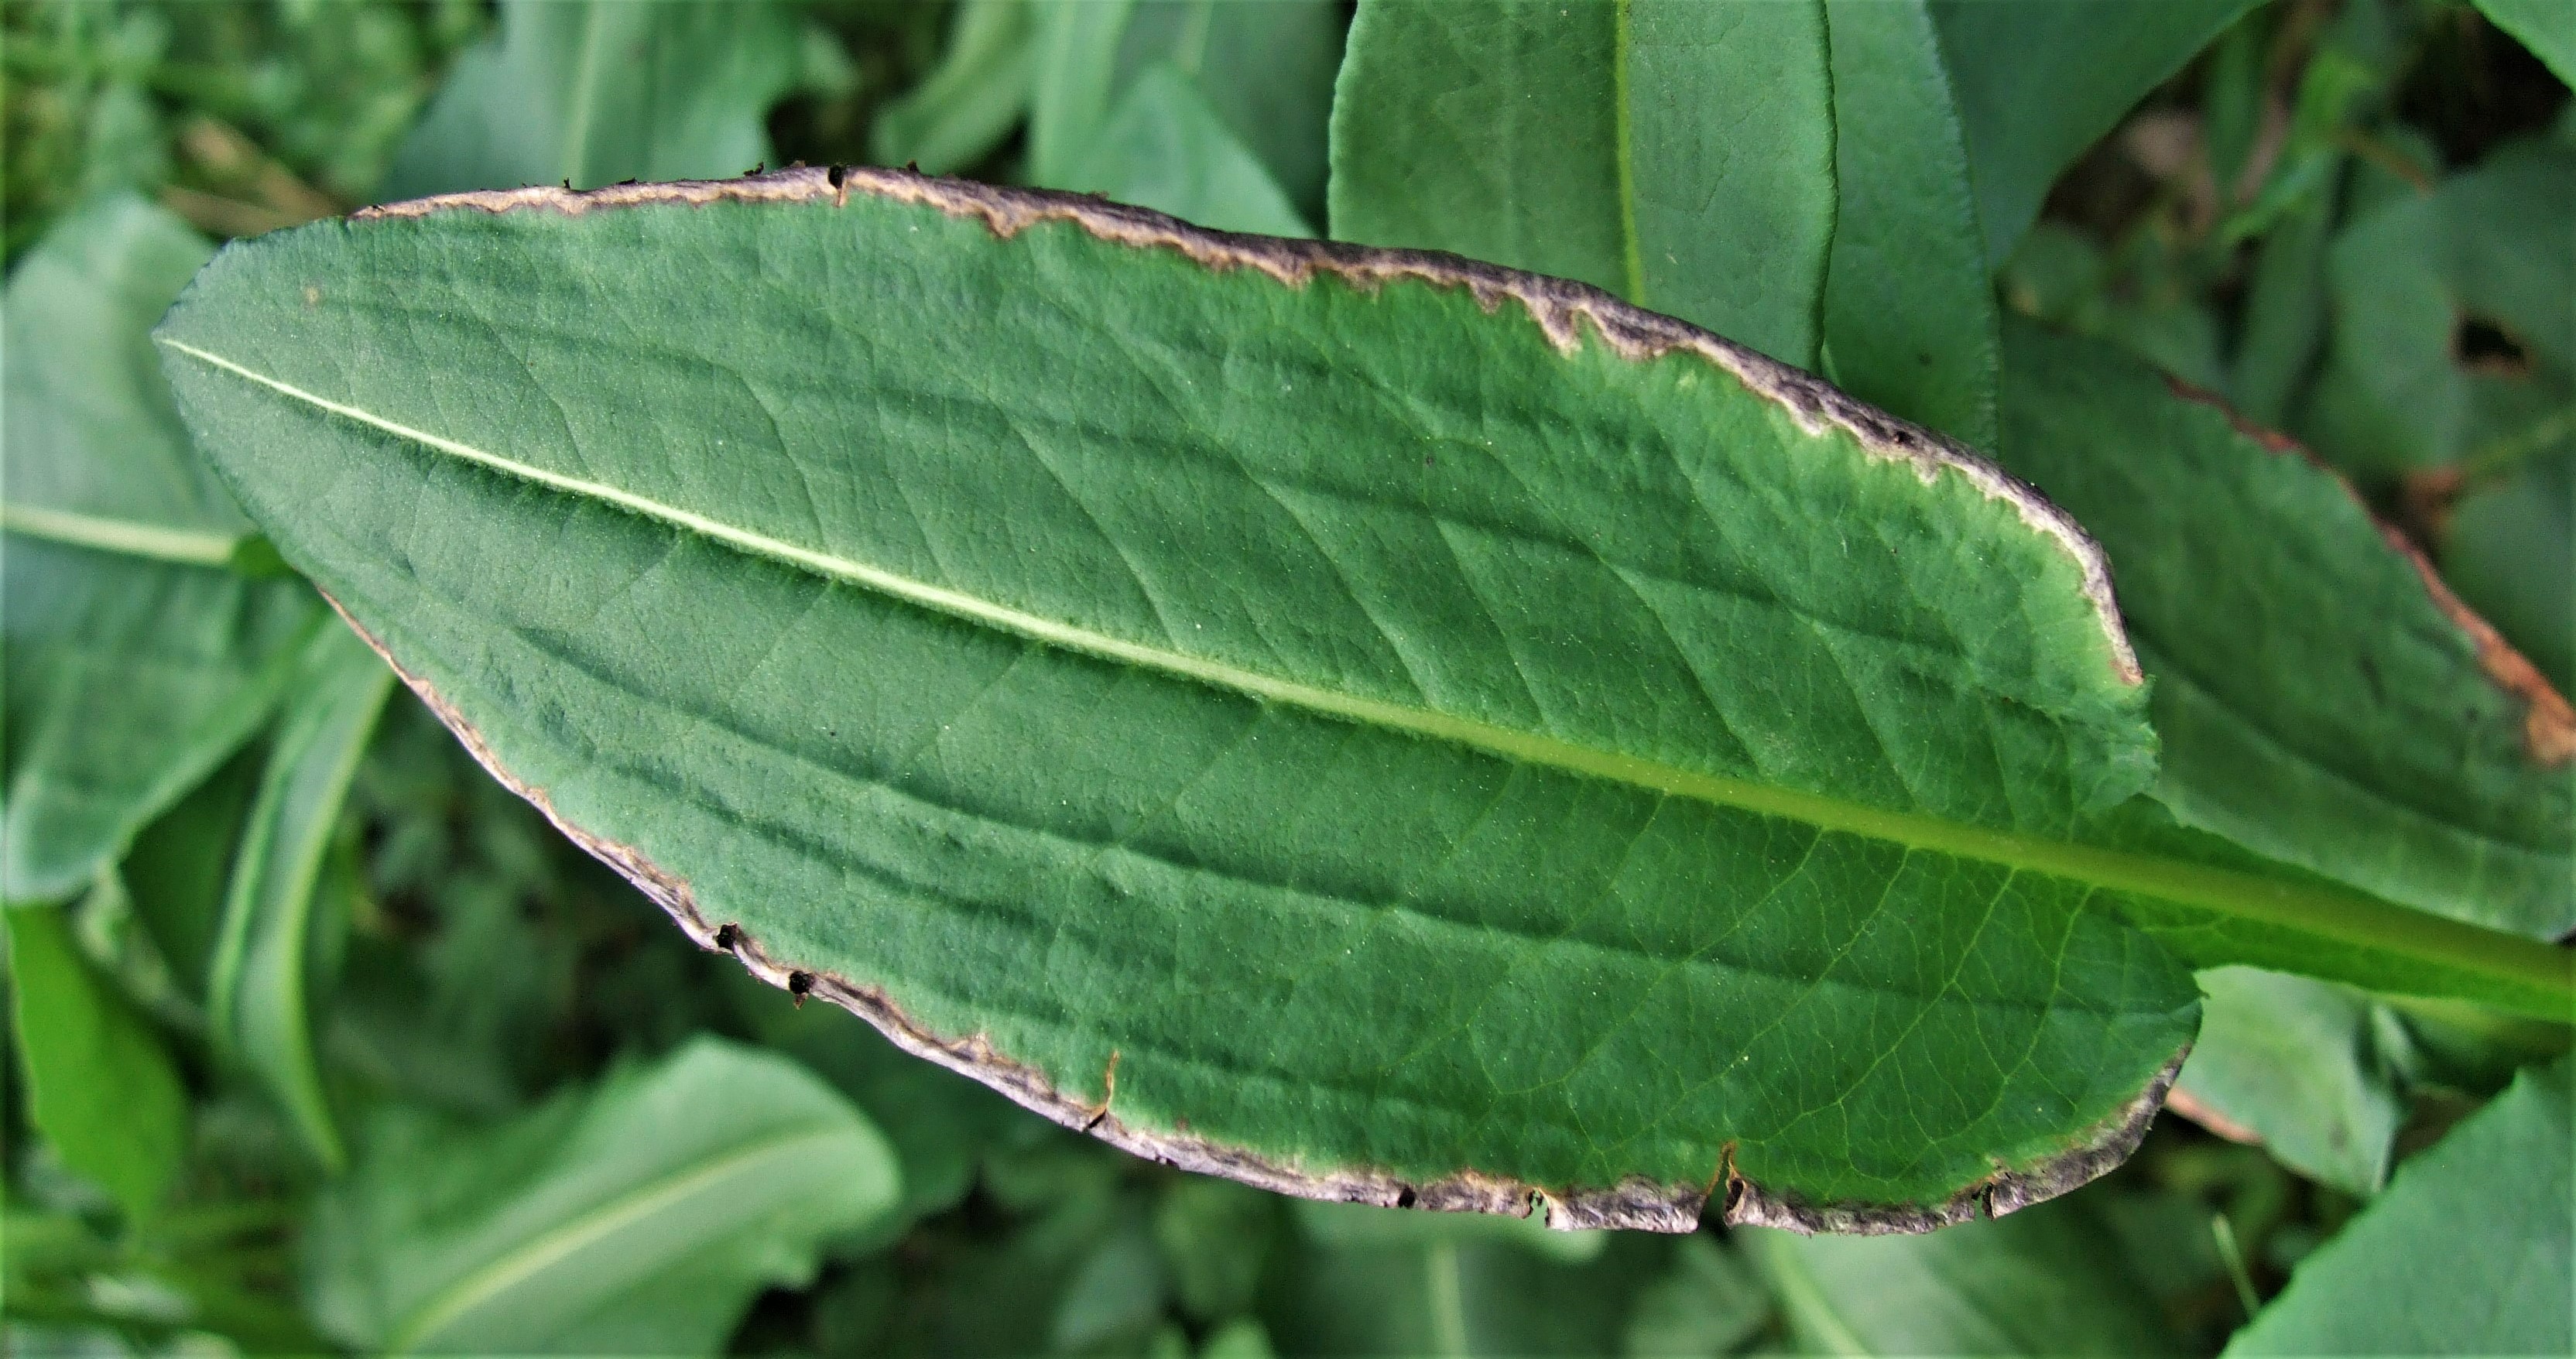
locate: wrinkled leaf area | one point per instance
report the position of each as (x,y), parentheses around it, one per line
(1337,949)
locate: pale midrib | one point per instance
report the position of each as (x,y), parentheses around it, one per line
(2346,916)
(524,1262)
(187,547)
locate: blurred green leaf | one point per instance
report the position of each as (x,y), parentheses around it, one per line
(967,105)
(2467,1252)
(1391,1281)
(1909,319)
(640,1216)
(135,661)
(1266,71)
(2510,550)
(1165,148)
(269,963)
(2047,1280)
(175,872)
(1676,153)
(1215,1236)
(1115,1296)
(1193,107)
(2038,81)
(2547,27)
(2455,331)
(2284,327)
(1708,1303)
(595,91)
(2315,701)
(100,1088)
(2292,1060)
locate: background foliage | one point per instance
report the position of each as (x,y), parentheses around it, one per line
(325,1040)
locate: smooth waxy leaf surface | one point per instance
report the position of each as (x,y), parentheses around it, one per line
(595,91)
(136,660)
(2038,81)
(2321,697)
(1294,717)
(2501,1286)
(2047,1282)
(100,1087)
(261,978)
(639,1217)
(1678,154)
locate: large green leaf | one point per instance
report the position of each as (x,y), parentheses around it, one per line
(99,1086)
(261,978)
(594,91)
(1138,680)
(135,659)
(2468,1252)
(1909,321)
(1678,153)
(639,1217)
(2046,1282)
(2039,81)
(2322,698)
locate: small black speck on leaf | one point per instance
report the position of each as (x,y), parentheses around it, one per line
(799,986)
(833,176)
(1404,1197)
(729,937)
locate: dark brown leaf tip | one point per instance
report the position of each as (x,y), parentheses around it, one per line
(1564,310)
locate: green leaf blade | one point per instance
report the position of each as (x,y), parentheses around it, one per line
(1909,314)
(1678,154)
(2040,80)
(2501,1288)
(260,979)
(643,1214)
(2367,734)
(135,661)
(596,92)
(1176,811)
(100,1087)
